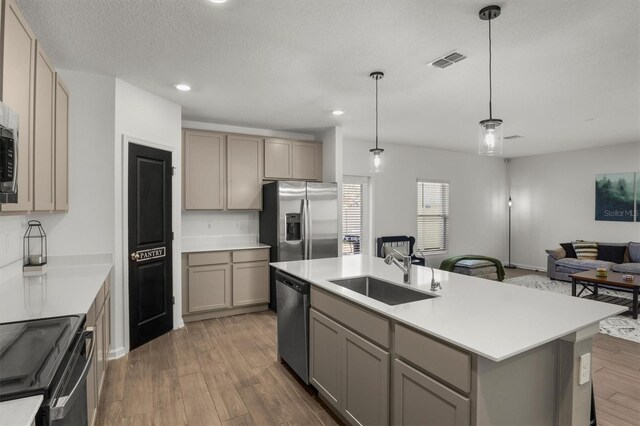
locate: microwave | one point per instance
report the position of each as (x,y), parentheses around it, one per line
(8,155)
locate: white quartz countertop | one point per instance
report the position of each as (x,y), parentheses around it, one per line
(67,289)
(19,412)
(194,245)
(492,319)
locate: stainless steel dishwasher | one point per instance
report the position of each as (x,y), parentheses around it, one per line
(293,323)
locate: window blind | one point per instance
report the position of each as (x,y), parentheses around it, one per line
(351,218)
(433,216)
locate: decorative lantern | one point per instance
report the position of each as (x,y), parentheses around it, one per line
(35,249)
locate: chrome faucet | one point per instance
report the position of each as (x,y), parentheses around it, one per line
(405,266)
(435,285)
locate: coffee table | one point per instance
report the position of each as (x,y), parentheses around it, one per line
(613,279)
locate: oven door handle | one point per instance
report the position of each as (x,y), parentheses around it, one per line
(58,411)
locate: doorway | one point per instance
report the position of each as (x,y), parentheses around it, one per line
(150,244)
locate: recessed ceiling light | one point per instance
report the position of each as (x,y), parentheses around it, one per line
(218,1)
(182,87)
(337,112)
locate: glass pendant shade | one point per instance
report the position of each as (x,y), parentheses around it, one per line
(376,160)
(490,137)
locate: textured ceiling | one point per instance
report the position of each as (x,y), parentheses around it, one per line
(285,64)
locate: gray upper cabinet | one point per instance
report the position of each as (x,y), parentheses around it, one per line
(244,172)
(44,153)
(61,146)
(278,159)
(307,160)
(204,170)
(18,74)
(420,400)
(288,159)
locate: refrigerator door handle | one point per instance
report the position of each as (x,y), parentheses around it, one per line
(309,231)
(303,224)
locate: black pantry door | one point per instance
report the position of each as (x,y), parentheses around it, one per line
(150,241)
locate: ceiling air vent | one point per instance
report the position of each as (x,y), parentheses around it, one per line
(513,137)
(448,60)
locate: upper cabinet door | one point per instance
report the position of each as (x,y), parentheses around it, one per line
(44,177)
(307,160)
(204,170)
(278,159)
(62,146)
(18,69)
(244,172)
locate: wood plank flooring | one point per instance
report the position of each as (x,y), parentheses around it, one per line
(224,372)
(213,372)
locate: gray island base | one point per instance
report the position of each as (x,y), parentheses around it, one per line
(446,360)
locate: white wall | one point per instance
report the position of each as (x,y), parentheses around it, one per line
(146,117)
(478,200)
(229,224)
(554,200)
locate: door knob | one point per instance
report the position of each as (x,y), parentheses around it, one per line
(135,256)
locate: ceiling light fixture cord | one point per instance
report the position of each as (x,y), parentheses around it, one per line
(490,79)
(376,113)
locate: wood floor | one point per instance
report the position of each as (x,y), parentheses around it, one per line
(213,372)
(223,372)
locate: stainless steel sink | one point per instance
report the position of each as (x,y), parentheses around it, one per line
(382,291)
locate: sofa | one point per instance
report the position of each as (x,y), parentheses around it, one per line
(563,261)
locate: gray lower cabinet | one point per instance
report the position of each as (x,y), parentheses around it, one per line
(350,372)
(420,400)
(209,288)
(250,283)
(222,283)
(325,353)
(365,384)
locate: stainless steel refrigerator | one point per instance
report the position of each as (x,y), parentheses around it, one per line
(299,220)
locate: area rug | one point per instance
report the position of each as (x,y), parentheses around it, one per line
(622,326)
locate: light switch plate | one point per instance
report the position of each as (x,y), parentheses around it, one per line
(585,369)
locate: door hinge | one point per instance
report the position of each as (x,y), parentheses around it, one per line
(172,236)
(173,170)
(173,300)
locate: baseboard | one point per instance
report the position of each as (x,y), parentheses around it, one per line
(531,268)
(224,313)
(117,353)
(179,325)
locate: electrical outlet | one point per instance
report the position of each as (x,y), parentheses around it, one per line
(585,369)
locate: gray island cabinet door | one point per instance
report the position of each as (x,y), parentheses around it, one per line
(365,382)
(420,400)
(325,358)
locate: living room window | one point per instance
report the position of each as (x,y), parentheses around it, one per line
(433,216)
(354,214)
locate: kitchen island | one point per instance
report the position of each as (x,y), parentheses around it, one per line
(478,353)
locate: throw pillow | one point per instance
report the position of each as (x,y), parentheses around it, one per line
(568,248)
(634,252)
(558,253)
(611,253)
(586,249)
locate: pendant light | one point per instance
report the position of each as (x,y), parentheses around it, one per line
(491,129)
(376,153)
